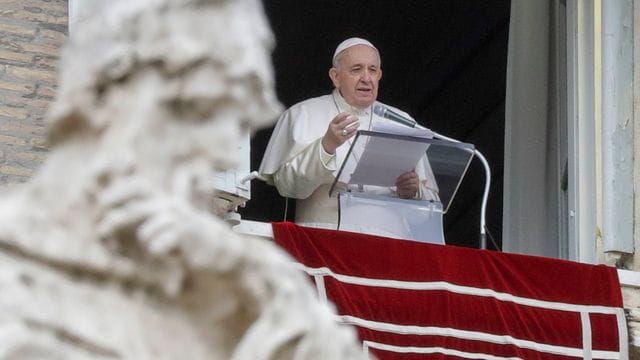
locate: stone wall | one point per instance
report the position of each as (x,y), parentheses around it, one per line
(31,35)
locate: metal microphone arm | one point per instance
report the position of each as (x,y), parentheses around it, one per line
(487,185)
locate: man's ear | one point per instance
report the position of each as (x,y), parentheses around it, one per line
(333,74)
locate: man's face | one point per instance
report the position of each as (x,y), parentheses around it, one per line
(357,75)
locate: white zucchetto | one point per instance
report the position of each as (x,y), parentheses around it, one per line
(349,43)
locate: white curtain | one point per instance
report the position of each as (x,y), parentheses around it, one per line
(535,129)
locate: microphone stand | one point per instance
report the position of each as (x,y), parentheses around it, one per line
(487,185)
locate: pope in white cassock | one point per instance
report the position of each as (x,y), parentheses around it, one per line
(311,139)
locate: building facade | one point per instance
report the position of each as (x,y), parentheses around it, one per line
(32,33)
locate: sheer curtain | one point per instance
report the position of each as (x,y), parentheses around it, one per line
(535,129)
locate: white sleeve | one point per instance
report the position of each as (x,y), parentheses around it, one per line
(428,187)
(301,175)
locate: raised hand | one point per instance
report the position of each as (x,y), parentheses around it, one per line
(340,129)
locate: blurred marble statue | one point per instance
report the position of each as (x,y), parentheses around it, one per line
(112,251)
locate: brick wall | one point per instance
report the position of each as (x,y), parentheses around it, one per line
(31,35)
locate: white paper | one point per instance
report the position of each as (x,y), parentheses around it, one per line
(397,129)
(381,160)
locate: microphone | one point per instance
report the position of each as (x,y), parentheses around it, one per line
(387,113)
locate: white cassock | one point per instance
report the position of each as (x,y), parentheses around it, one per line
(297,165)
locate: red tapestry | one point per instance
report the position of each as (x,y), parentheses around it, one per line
(411,300)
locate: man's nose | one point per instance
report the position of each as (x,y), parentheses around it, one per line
(366,75)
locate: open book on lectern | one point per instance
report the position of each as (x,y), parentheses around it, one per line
(373,163)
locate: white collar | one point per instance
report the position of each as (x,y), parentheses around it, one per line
(343,105)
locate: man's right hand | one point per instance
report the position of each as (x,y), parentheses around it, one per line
(340,129)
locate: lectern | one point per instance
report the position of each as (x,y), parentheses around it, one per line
(365,185)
